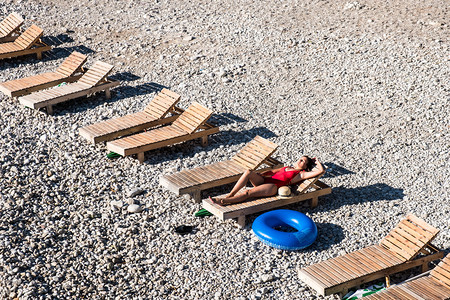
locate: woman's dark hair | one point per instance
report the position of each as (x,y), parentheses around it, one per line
(310,164)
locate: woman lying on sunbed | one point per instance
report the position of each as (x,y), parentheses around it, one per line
(266,184)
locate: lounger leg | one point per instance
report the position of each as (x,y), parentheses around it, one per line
(241,221)
(314,202)
(343,293)
(39,55)
(388,281)
(49,109)
(424,267)
(108,93)
(204,141)
(140,157)
(196,195)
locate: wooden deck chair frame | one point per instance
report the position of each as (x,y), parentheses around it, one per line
(10,27)
(435,286)
(154,114)
(93,81)
(310,189)
(406,246)
(191,124)
(256,153)
(29,42)
(70,70)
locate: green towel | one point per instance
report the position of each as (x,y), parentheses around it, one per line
(364,292)
(203,213)
(112,155)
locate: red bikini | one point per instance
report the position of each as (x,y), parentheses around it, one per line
(282,177)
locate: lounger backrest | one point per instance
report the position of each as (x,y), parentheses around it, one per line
(192,118)
(409,237)
(255,153)
(10,24)
(442,271)
(27,39)
(96,73)
(72,64)
(304,186)
(161,104)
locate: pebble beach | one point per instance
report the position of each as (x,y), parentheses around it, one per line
(362,85)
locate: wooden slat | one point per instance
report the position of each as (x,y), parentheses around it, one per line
(140,139)
(246,164)
(400,247)
(185,122)
(248,156)
(339,271)
(310,277)
(442,271)
(342,261)
(408,245)
(396,249)
(367,264)
(96,73)
(384,255)
(415,238)
(354,259)
(328,273)
(395,293)
(72,64)
(306,184)
(205,174)
(252,156)
(427,288)
(417,233)
(254,152)
(259,144)
(62,94)
(443,277)
(317,271)
(411,231)
(422,224)
(174,135)
(9,47)
(29,82)
(376,259)
(170,93)
(29,37)
(161,104)
(368,261)
(10,24)
(426,233)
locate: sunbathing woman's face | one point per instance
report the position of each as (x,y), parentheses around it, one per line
(302,163)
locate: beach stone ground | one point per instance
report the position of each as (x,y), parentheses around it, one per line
(362,85)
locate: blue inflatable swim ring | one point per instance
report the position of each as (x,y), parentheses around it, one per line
(306,233)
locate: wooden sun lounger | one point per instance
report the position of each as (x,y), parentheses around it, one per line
(94,80)
(10,27)
(254,154)
(309,189)
(436,286)
(153,115)
(190,125)
(69,71)
(397,252)
(28,42)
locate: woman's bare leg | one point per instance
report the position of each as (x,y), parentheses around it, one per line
(263,190)
(248,175)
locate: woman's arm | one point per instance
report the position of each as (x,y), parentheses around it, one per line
(317,170)
(270,172)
